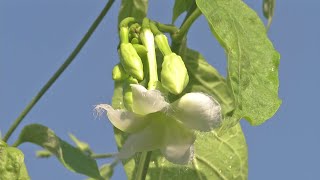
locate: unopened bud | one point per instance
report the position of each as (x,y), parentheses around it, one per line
(131,61)
(118,73)
(174,74)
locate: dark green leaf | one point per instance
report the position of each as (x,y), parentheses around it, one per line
(252,60)
(72,158)
(133,8)
(12,163)
(180,6)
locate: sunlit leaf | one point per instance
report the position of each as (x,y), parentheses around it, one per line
(252,60)
(12,163)
(72,158)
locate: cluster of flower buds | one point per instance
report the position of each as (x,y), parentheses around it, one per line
(138,60)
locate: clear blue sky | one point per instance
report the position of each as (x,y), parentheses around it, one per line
(36,36)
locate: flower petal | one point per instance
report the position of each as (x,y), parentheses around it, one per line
(146,101)
(197,111)
(178,143)
(150,138)
(124,120)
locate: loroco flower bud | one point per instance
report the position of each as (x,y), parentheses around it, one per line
(118,73)
(174,75)
(127,93)
(131,61)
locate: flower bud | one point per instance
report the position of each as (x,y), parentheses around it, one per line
(135,41)
(174,75)
(131,61)
(127,93)
(118,73)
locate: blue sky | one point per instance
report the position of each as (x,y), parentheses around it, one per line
(36,36)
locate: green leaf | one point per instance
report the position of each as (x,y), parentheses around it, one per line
(72,158)
(252,60)
(223,157)
(180,6)
(133,8)
(12,163)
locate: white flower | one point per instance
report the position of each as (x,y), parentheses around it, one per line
(156,124)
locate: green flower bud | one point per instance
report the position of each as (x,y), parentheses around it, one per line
(141,50)
(135,41)
(127,93)
(118,73)
(131,61)
(174,75)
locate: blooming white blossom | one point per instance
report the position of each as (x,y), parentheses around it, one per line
(156,124)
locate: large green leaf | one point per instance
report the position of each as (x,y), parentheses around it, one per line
(179,7)
(252,60)
(12,163)
(72,158)
(133,8)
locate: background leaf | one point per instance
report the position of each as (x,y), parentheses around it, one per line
(72,158)
(180,6)
(252,60)
(133,8)
(12,163)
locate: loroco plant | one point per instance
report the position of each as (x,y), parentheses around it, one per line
(174,115)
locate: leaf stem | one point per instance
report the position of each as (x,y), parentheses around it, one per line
(143,165)
(179,39)
(59,71)
(186,25)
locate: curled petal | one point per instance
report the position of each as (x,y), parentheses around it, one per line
(124,120)
(197,111)
(148,139)
(178,143)
(147,101)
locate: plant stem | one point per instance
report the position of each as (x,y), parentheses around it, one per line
(101,156)
(179,39)
(59,71)
(186,25)
(167,28)
(143,165)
